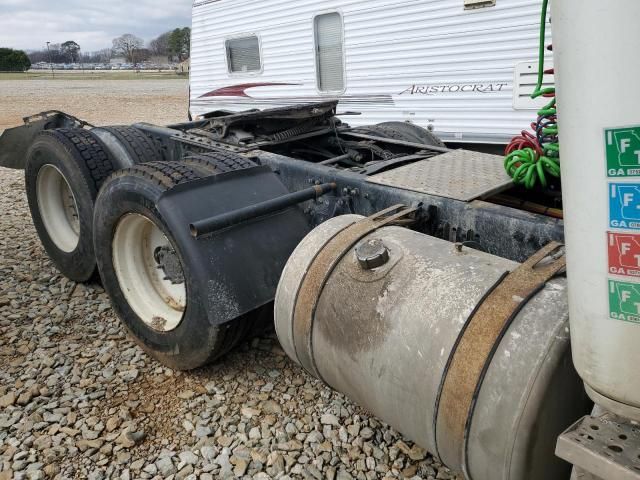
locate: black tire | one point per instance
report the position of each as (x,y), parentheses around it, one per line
(407,132)
(218,162)
(84,165)
(128,145)
(194,342)
(414,133)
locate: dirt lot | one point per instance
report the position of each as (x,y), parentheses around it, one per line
(98,101)
(79,400)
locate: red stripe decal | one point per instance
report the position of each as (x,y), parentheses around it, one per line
(239,90)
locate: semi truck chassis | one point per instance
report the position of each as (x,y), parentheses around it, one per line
(479,219)
(195,227)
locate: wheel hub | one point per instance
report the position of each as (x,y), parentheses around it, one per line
(149,272)
(169,263)
(58,208)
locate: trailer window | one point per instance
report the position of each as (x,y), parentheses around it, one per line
(243,55)
(329,52)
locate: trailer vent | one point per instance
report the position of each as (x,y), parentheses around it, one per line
(330,52)
(524,84)
(243,55)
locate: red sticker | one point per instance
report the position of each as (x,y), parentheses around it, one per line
(624,254)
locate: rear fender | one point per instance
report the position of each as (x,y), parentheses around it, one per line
(236,270)
(15,142)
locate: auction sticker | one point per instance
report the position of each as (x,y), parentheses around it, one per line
(623,151)
(624,254)
(624,206)
(624,301)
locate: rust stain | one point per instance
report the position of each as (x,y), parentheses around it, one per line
(173,303)
(318,272)
(313,284)
(476,346)
(353,326)
(158,323)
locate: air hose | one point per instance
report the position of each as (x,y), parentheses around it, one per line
(532,158)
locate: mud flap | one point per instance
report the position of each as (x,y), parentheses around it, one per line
(15,142)
(238,268)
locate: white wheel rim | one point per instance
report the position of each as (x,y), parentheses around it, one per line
(58,208)
(158,302)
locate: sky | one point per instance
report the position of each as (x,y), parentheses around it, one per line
(29,24)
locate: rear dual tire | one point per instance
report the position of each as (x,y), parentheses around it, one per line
(404,131)
(410,132)
(65,169)
(128,145)
(164,317)
(64,172)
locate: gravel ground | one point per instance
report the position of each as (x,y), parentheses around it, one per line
(79,400)
(99,102)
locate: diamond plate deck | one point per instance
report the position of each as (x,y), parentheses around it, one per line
(460,174)
(605,447)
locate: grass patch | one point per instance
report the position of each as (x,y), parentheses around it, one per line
(92,75)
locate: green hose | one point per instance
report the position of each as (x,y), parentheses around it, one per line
(543,34)
(531,160)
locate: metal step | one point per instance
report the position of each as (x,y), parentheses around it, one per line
(605,447)
(460,174)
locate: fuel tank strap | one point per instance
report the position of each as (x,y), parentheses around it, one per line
(476,345)
(316,276)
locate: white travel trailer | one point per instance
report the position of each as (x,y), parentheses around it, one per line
(461,68)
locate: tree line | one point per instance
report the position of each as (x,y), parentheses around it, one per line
(13,60)
(174,45)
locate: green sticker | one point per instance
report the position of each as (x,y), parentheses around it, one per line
(624,301)
(623,152)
